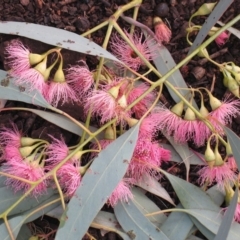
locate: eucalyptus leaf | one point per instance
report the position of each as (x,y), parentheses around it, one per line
(24,233)
(11,92)
(145,205)
(216,195)
(164,63)
(14,225)
(193,158)
(136,225)
(56,37)
(97,185)
(177,226)
(215,15)
(212,221)
(8,197)
(183,151)
(227,218)
(108,222)
(151,185)
(63,122)
(231,29)
(234,141)
(189,195)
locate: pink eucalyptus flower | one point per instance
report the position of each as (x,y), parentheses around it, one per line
(104,105)
(60,91)
(12,153)
(17,57)
(162,32)
(56,151)
(69,177)
(80,79)
(237,213)
(121,192)
(33,79)
(10,136)
(221,39)
(168,121)
(126,54)
(146,156)
(231,162)
(222,175)
(224,114)
(142,106)
(31,171)
(149,126)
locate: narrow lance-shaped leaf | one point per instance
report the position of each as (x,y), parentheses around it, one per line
(210,22)
(227,218)
(234,141)
(97,185)
(56,37)
(11,92)
(135,223)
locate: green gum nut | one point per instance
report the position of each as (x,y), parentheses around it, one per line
(114,91)
(229,149)
(35,58)
(209,155)
(189,115)
(26,141)
(122,101)
(218,158)
(26,151)
(233,87)
(178,108)
(59,76)
(228,194)
(109,133)
(205,9)
(42,66)
(132,122)
(203,111)
(214,102)
(203,53)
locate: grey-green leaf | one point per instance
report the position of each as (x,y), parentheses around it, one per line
(177,225)
(135,223)
(56,37)
(189,195)
(145,205)
(234,141)
(24,233)
(151,185)
(210,22)
(108,222)
(97,185)
(12,92)
(8,197)
(227,218)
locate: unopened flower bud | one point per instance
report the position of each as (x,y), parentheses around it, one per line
(229,193)
(214,102)
(229,149)
(205,9)
(178,108)
(109,133)
(34,238)
(233,87)
(189,115)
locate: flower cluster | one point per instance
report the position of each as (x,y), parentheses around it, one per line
(32,70)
